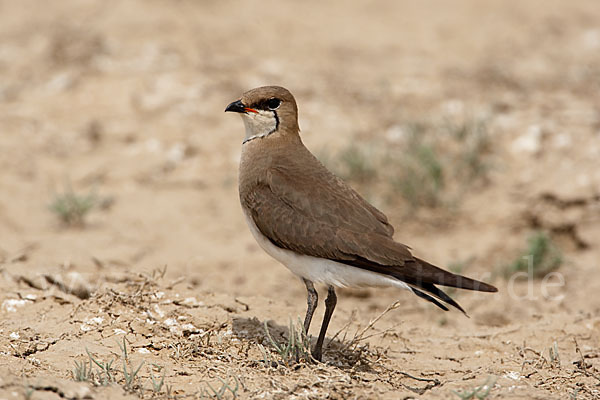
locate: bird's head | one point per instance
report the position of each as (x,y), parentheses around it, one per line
(266,110)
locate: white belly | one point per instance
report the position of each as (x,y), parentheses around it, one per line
(320,270)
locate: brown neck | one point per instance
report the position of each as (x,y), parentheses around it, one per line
(260,154)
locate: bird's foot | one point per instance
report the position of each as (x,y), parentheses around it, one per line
(317,354)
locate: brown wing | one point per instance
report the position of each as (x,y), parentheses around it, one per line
(316,193)
(330,225)
(340,229)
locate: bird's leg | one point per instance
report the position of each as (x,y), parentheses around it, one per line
(330,303)
(312,300)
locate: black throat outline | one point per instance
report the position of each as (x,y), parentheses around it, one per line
(268,133)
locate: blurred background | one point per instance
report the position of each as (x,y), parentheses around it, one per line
(469,124)
(475,126)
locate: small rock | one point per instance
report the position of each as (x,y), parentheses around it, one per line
(529,142)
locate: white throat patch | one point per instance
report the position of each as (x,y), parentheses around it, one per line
(259,124)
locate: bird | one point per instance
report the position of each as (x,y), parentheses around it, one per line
(314,223)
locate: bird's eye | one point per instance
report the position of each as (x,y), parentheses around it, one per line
(273,103)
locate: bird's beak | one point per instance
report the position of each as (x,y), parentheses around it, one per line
(239,107)
(236,106)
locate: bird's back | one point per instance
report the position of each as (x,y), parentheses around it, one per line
(298,178)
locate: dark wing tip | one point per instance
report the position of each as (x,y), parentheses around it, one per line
(485,287)
(429,298)
(433,291)
(437,303)
(429,273)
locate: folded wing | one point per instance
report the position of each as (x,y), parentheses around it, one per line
(344,229)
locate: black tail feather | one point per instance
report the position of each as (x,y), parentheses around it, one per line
(429,298)
(422,277)
(438,293)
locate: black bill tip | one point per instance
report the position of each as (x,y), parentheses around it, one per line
(236,106)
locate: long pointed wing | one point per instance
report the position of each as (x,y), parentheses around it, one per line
(341,230)
(333,226)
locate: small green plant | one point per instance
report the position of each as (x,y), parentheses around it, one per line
(422,179)
(541,257)
(106,375)
(356,164)
(480,392)
(554,356)
(221,392)
(157,384)
(431,164)
(295,349)
(71,208)
(474,144)
(102,373)
(459,266)
(29,391)
(83,371)
(129,374)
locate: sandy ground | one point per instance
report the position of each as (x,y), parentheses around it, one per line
(125,100)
